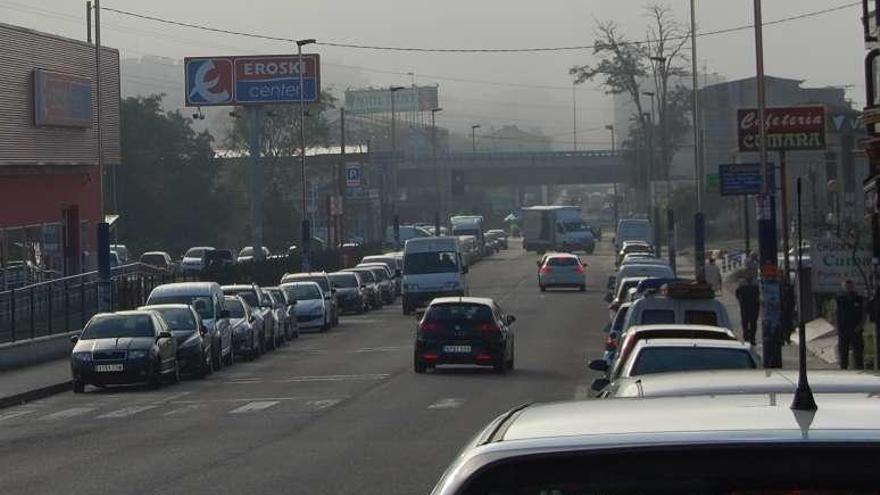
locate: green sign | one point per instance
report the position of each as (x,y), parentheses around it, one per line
(713,183)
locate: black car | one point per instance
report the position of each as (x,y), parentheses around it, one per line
(370,282)
(194,349)
(247,328)
(349,291)
(123,348)
(261,304)
(464,330)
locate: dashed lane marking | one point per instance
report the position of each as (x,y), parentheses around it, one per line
(254,406)
(335,378)
(68,413)
(244,381)
(126,412)
(323,404)
(182,410)
(449,403)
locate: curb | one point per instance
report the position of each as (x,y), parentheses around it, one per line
(35,394)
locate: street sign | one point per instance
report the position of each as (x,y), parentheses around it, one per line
(738,179)
(353,175)
(787,128)
(259,79)
(832,262)
(712,182)
(369,101)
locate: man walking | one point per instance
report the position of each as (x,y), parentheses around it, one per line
(850,317)
(713,275)
(749,296)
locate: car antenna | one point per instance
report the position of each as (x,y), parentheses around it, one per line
(803,397)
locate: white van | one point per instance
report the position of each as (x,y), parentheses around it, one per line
(432,267)
(633,229)
(685,310)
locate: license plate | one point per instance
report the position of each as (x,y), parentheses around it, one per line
(456,348)
(106,368)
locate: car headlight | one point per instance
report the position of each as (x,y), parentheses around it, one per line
(137,354)
(82,356)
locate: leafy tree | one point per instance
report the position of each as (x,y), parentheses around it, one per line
(167,193)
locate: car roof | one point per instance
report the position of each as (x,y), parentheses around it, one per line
(148,307)
(561,255)
(304,274)
(301,282)
(185,288)
(701,343)
(238,287)
(470,300)
(755,381)
(161,253)
(209,248)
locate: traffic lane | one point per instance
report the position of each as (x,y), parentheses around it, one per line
(401,435)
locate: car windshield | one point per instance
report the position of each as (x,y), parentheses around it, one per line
(366,275)
(202,304)
(344,281)
(665,359)
(249,296)
(433,262)
(235,307)
(303,292)
(575,226)
(321,280)
(153,259)
(195,253)
(118,326)
(178,319)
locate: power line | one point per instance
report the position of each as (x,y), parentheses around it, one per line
(266,37)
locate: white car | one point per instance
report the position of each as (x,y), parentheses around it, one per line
(665,355)
(194,259)
(311,307)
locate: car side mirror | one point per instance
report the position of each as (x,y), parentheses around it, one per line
(224,313)
(74,339)
(598,365)
(599,384)
(510,319)
(164,335)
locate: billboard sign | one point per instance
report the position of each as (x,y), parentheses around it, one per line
(62,100)
(787,128)
(414,99)
(353,175)
(833,262)
(249,80)
(738,179)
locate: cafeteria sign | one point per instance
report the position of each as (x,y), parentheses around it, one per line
(787,128)
(833,262)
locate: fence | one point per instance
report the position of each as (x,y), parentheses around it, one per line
(66,304)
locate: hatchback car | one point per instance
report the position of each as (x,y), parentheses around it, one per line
(159,259)
(464,330)
(311,305)
(387,285)
(323,281)
(194,343)
(562,270)
(124,348)
(350,291)
(285,313)
(372,291)
(260,303)
(194,260)
(247,329)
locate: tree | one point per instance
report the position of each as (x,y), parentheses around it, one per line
(167,190)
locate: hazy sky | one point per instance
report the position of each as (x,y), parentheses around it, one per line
(823,50)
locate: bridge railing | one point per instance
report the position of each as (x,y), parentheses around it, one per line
(506,157)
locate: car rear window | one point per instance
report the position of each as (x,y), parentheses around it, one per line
(203,305)
(344,280)
(178,318)
(153,259)
(367,275)
(697,317)
(452,312)
(321,280)
(566,261)
(665,359)
(657,316)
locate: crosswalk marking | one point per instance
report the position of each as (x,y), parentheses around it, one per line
(126,412)
(449,403)
(14,414)
(68,413)
(335,378)
(254,406)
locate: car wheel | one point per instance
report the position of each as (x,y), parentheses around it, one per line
(509,363)
(175,377)
(78,386)
(543,288)
(155,376)
(326,325)
(500,365)
(218,355)
(582,288)
(419,366)
(231,359)
(206,367)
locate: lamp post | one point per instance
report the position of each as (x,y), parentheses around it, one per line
(661,117)
(474,137)
(650,137)
(699,221)
(443,182)
(393,90)
(306,226)
(613,151)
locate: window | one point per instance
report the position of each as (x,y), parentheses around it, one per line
(303,292)
(664,359)
(344,280)
(178,318)
(433,262)
(657,316)
(202,304)
(698,317)
(235,307)
(452,312)
(563,261)
(119,326)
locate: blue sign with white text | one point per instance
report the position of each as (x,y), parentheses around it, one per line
(738,179)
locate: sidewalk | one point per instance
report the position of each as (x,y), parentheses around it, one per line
(34,382)
(727,297)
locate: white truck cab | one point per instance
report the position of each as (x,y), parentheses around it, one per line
(432,267)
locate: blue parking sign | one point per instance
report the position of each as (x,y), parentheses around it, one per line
(353,175)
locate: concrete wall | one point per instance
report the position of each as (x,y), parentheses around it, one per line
(34,351)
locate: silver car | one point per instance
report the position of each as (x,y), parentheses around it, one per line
(562,270)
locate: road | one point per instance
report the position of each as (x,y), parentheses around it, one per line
(340,412)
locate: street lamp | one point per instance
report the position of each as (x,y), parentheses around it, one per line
(610,127)
(650,136)
(393,90)
(306,227)
(474,137)
(434,156)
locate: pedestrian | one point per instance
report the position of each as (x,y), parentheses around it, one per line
(850,316)
(749,296)
(713,275)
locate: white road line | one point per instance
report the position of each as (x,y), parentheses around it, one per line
(383,349)
(68,413)
(243,381)
(254,406)
(323,404)
(126,412)
(335,378)
(13,414)
(447,404)
(171,398)
(182,410)
(582,392)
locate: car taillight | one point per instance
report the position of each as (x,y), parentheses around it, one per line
(489,328)
(429,326)
(579,269)
(545,269)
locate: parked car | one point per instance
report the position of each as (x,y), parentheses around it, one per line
(350,291)
(562,270)
(194,343)
(311,305)
(194,260)
(682,303)
(247,254)
(395,265)
(387,285)
(284,312)
(500,236)
(219,258)
(206,298)
(262,305)
(124,348)
(323,281)
(464,330)
(247,328)
(122,251)
(370,284)
(159,259)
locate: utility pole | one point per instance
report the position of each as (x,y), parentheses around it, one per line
(614,152)
(699,219)
(340,181)
(89,22)
(306,225)
(474,137)
(770,290)
(574,118)
(395,218)
(102,227)
(440,207)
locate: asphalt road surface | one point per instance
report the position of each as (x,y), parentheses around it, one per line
(335,413)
